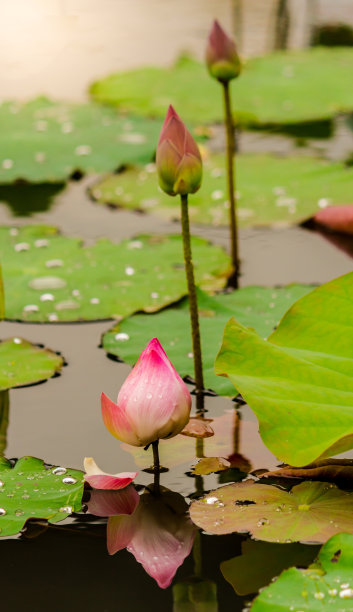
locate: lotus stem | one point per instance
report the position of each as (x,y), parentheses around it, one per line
(156,465)
(194,313)
(197,555)
(234,279)
(4,419)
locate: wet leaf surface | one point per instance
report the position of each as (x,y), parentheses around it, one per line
(46,141)
(260,308)
(279,88)
(286,190)
(310,512)
(49,277)
(262,561)
(299,382)
(24,363)
(32,490)
(326,585)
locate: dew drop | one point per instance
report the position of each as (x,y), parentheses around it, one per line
(2,511)
(122,337)
(66,509)
(41,243)
(83,150)
(135,244)
(17,340)
(154,295)
(261,522)
(59,471)
(94,300)
(149,395)
(25,496)
(7,164)
(319,595)
(211,500)
(346,594)
(1,484)
(129,271)
(52,316)
(217,194)
(69,480)
(21,246)
(46,297)
(40,157)
(13,231)
(19,512)
(30,308)
(47,282)
(54,263)
(332,592)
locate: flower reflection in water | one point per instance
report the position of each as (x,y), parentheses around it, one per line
(154,527)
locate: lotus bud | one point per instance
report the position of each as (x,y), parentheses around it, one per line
(153,402)
(178,158)
(221,55)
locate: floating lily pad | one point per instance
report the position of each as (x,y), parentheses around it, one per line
(49,277)
(24,363)
(299,382)
(271,190)
(326,585)
(310,512)
(210,465)
(45,141)
(262,561)
(257,307)
(32,489)
(288,87)
(333,470)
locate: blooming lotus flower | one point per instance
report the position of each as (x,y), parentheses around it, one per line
(153,402)
(158,532)
(221,55)
(178,158)
(101,480)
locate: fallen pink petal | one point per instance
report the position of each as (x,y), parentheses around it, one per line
(101,480)
(336,218)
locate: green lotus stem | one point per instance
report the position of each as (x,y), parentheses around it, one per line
(2,297)
(4,419)
(194,313)
(156,465)
(234,279)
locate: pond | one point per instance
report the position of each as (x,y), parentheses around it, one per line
(61,422)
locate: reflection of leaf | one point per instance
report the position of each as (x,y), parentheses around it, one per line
(257,307)
(299,382)
(286,190)
(23,363)
(326,585)
(262,561)
(50,277)
(44,141)
(311,511)
(278,88)
(338,470)
(210,465)
(336,218)
(31,490)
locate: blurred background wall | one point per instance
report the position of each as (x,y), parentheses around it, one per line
(57,47)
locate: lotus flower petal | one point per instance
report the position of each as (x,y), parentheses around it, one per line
(116,421)
(337,218)
(101,480)
(120,531)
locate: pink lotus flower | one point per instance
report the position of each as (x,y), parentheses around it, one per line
(153,402)
(221,55)
(178,158)
(101,480)
(158,531)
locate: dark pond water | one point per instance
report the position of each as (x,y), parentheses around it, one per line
(67,567)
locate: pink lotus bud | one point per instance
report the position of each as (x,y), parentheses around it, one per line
(101,480)
(178,158)
(153,402)
(158,533)
(221,55)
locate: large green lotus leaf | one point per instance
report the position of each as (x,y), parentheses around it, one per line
(45,141)
(288,87)
(262,561)
(271,190)
(32,489)
(258,307)
(326,585)
(2,296)
(49,277)
(299,382)
(24,363)
(310,512)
